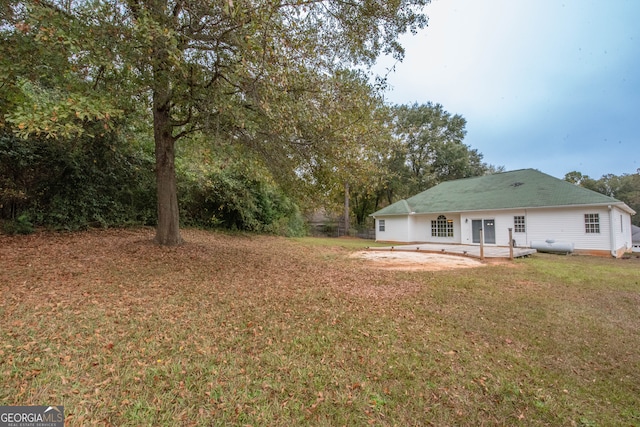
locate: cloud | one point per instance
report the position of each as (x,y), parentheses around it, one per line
(531,78)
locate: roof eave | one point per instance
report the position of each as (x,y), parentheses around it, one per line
(618,204)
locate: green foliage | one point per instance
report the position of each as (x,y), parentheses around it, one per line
(268,74)
(98,182)
(235,194)
(432,139)
(49,88)
(625,187)
(72,184)
(46,112)
(21,225)
(426,149)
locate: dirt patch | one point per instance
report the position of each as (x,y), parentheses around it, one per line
(415,261)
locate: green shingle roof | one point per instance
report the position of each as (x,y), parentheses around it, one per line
(525,188)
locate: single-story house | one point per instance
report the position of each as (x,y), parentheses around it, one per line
(535,206)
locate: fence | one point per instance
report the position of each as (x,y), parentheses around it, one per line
(335,230)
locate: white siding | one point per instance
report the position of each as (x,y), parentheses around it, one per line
(568,225)
(396,229)
(503,221)
(560,224)
(422,229)
(622,229)
(565,224)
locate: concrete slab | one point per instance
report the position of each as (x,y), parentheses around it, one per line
(465,250)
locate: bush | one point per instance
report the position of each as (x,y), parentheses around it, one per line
(75,184)
(235,198)
(103,182)
(20,225)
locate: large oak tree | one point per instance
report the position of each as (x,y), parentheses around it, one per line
(254,70)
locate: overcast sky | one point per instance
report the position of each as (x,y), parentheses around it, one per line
(547,84)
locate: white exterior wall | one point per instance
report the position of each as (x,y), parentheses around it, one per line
(397,229)
(565,224)
(422,229)
(560,224)
(621,221)
(503,221)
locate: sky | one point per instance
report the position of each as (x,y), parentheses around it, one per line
(552,85)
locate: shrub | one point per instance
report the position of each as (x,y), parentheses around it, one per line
(75,184)
(235,198)
(20,225)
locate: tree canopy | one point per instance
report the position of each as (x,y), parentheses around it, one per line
(423,147)
(625,187)
(270,75)
(433,142)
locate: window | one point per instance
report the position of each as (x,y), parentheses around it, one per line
(442,227)
(518,224)
(592,223)
(381,225)
(621,225)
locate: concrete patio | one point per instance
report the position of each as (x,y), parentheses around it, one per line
(463,250)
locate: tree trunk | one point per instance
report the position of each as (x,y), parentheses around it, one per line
(168,230)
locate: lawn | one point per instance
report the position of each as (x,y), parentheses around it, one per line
(257,330)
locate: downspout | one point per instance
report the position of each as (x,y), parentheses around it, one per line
(612,237)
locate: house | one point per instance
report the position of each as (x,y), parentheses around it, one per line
(535,206)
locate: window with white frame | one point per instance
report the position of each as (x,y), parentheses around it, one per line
(592,223)
(442,227)
(518,224)
(381,225)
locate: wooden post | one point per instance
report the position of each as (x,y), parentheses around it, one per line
(481,244)
(511,244)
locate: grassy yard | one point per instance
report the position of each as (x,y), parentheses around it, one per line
(238,330)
